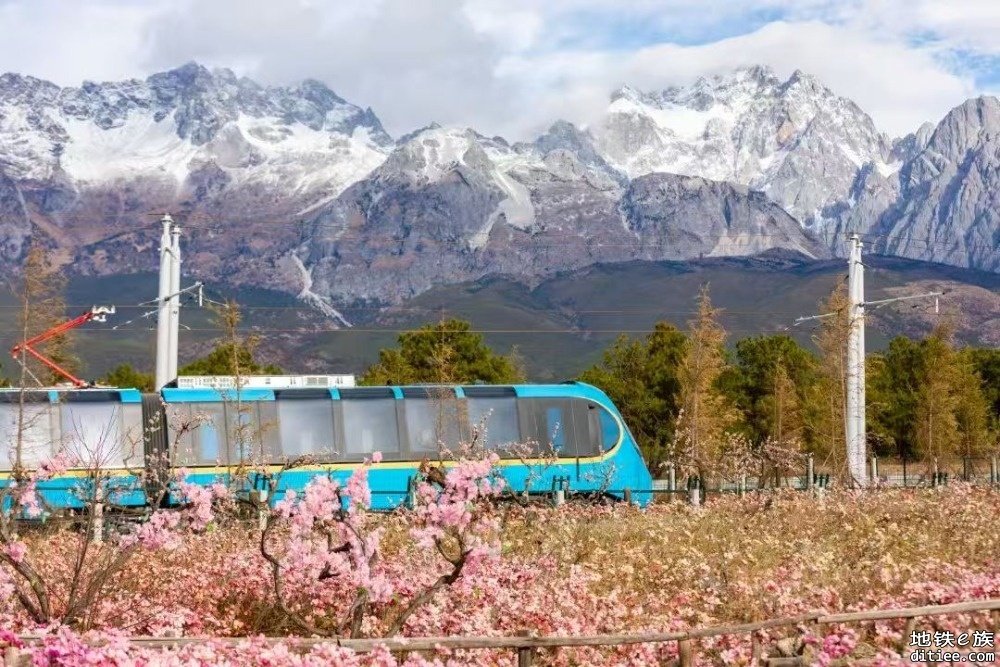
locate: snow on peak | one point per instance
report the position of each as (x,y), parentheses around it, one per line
(167,125)
(795,139)
(627,92)
(436,153)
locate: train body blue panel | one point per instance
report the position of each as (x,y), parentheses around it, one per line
(571,435)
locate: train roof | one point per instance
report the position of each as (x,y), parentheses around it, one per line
(10,395)
(567,389)
(204,394)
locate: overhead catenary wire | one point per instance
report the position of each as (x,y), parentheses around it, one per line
(397,330)
(550,239)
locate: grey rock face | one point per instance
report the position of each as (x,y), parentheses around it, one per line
(567,137)
(15,227)
(202,102)
(871,196)
(449,206)
(948,209)
(200,143)
(908,147)
(682,217)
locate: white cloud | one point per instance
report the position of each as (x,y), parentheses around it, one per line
(68,42)
(511,67)
(899,86)
(946,24)
(413,61)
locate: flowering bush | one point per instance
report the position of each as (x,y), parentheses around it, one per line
(459,563)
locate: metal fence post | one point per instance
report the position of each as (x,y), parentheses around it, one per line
(694,492)
(672,486)
(259,498)
(810,472)
(559,492)
(411,494)
(874,469)
(993,470)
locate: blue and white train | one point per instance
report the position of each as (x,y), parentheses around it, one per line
(337,428)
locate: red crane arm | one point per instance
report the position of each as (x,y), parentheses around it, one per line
(51,364)
(54,331)
(95,313)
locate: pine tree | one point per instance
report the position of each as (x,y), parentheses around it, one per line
(978,425)
(828,401)
(937,401)
(235,354)
(750,382)
(705,412)
(894,380)
(42,307)
(124,375)
(444,352)
(787,423)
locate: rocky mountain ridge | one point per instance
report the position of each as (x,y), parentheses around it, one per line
(294,188)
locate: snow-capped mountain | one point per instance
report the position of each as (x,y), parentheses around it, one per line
(794,140)
(296,139)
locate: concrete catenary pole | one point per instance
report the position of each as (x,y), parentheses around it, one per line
(855,414)
(175,300)
(163,314)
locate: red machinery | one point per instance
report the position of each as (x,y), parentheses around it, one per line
(96,313)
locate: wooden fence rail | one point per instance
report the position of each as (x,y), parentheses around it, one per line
(527,645)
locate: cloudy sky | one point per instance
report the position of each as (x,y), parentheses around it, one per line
(510,67)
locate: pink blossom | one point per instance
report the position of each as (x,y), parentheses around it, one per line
(16,551)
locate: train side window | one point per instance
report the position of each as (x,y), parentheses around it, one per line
(370,425)
(499,416)
(549,425)
(179,434)
(305,427)
(268,434)
(92,434)
(593,422)
(556,427)
(244,432)
(587,429)
(433,424)
(610,430)
(37,441)
(209,438)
